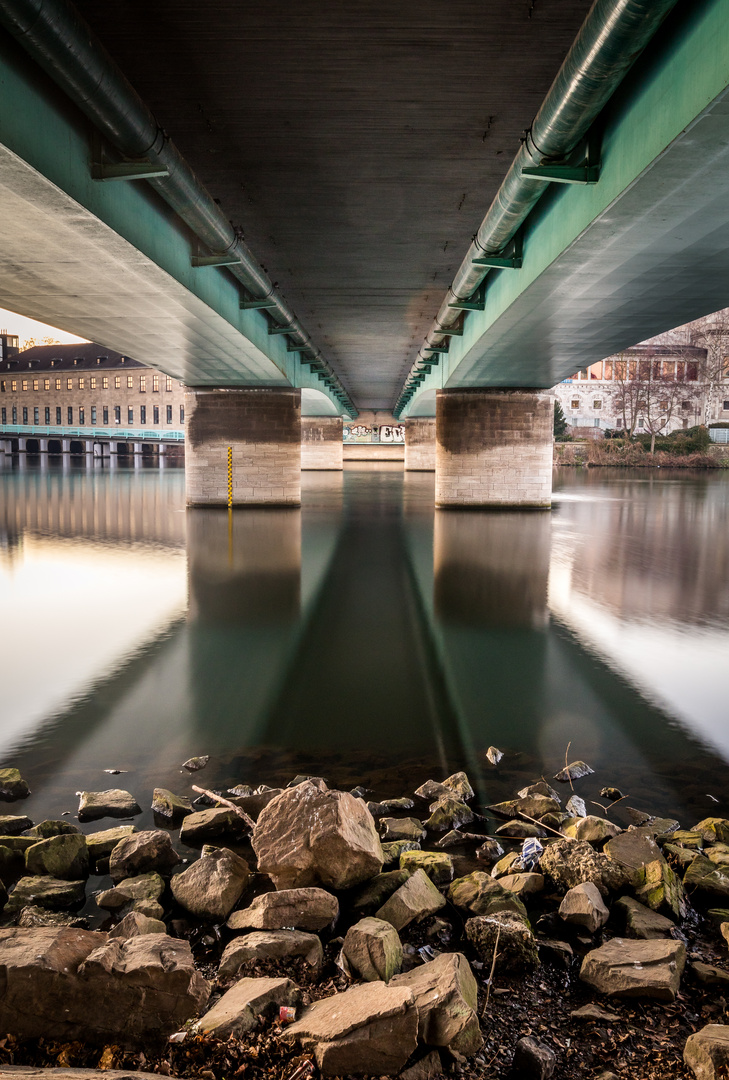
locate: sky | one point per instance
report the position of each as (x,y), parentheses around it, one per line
(29,328)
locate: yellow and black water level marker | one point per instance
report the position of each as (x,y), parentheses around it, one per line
(230,477)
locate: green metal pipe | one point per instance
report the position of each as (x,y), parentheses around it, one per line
(61,42)
(611,38)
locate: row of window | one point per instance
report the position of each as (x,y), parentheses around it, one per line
(93,411)
(597,404)
(93,383)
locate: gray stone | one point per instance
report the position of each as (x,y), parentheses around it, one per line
(141,853)
(628,968)
(594,1013)
(238,1010)
(489,852)
(370,1029)
(570,862)
(532,1060)
(389,806)
(65,857)
(575,771)
(300,909)
(378,889)
(12,786)
(270,945)
(706,877)
(583,906)
(213,885)
(125,895)
(479,894)
(428,1067)
(414,900)
(310,837)
(194,764)
(541,787)
(639,921)
(506,935)
(446,994)
(460,785)
(101,844)
(594,830)
(433,789)
(372,947)
(521,830)
(170,806)
(13,824)
(392,851)
(522,884)
(707,1052)
(448,813)
(33,916)
(632,849)
(211,824)
(708,975)
(394,829)
(455,838)
(45,892)
(76,985)
(45,829)
(134,924)
(576,806)
(112,803)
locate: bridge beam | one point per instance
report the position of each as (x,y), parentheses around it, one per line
(249,439)
(493,448)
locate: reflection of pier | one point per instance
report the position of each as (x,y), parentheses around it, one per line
(94,505)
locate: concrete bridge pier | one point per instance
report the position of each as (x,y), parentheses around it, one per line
(321,442)
(43,446)
(420,444)
(249,437)
(494,448)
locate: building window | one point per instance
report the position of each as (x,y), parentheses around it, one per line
(35,384)
(142,384)
(640,422)
(48,414)
(69,384)
(575,403)
(597,403)
(81,415)
(182,414)
(58,415)
(93,414)
(130,382)
(13,384)
(46,384)
(69,415)
(169,414)
(92,382)
(619,422)
(15,414)
(596,422)
(81,383)
(4,415)
(25,414)
(726,406)
(155,384)
(117,414)
(105,415)
(142,414)
(168,384)
(105,382)
(687,405)
(25,384)
(3,386)
(58,384)
(117,382)
(130,415)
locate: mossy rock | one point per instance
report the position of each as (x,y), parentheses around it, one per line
(436,864)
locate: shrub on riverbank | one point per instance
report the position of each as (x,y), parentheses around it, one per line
(629,454)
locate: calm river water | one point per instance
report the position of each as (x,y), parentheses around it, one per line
(364,638)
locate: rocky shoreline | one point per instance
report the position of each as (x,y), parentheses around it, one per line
(321,933)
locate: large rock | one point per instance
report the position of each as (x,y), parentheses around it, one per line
(302,909)
(101,844)
(370,1029)
(712,829)
(640,921)
(479,894)
(146,888)
(398,829)
(14,824)
(134,924)
(572,862)
(583,906)
(170,806)
(632,849)
(112,803)
(533,1060)
(507,937)
(445,993)
(75,984)
(416,899)
(436,864)
(707,1052)
(142,852)
(237,1011)
(306,836)
(65,857)
(373,895)
(448,813)
(213,885)
(657,886)
(12,786)
(45,892)
(52,827)
(706,877)
(270,945)
(592,829)
(372,947)
(628,968)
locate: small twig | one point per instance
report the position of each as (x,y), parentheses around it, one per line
(493,966)
(535,821)
(566,765)
(225,802)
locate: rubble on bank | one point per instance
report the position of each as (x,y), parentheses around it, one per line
(338,938)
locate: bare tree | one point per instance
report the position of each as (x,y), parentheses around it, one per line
(652,389)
